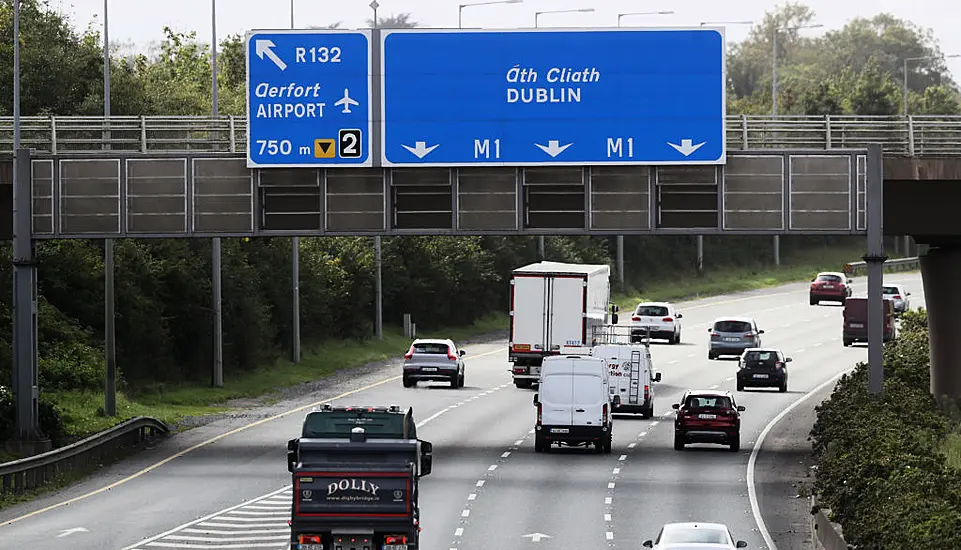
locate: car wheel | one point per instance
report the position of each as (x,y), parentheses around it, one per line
(711,356)
(814,302)
(843,301)
(736,443)
(408,383)
(846,342)
(455,381)
(538,445)
(677,339)
(678,442)
(783,387)
(740,386)
(461,379)
(673,339)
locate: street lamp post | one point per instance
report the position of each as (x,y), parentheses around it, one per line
(622,15)
(538,14)
(904,91)
(705,23)
(460,8)
(109,309)
(774,60)
(217,379)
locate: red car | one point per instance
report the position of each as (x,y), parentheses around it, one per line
(707,416)
(830,287)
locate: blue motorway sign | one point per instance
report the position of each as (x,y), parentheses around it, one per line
(558,96)
(308,98)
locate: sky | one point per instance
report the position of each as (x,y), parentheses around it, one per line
(141,22)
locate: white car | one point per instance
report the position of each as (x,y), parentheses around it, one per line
(694,536)
(897,295)
(661,318)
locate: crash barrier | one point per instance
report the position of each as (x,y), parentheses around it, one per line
(826,534)
(900,264)
(81,457)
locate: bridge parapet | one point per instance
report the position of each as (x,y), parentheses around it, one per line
(911,136)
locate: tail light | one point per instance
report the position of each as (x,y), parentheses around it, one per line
(309,539)
(604,414)
(450,355)
(667,320)
(410,352)
(647,389)
(749,335)
(395,539)
(635,318)
(539,410)
(715,334)
(779,365)
(897,296)
(520,370)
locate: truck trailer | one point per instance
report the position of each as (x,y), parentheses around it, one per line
(355,479)
(554,307)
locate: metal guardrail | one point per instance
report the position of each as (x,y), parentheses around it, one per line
(914,135)
(30,473)
(899,264)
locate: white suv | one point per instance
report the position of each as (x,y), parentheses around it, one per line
(663,321)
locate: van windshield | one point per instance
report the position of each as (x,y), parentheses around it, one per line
(732,326)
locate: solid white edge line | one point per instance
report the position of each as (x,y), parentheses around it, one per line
(751,490)
(205,518)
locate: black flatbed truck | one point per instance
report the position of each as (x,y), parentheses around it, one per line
(355,479)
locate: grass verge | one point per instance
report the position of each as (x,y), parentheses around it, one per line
(951,447)
(83,411)
(801,266)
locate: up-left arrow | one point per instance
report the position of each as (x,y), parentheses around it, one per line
(68,532)
(263,48)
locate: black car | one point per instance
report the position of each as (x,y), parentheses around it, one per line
(762,368)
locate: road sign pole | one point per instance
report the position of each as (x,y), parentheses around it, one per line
(378,291)
(620,261)
(875,259)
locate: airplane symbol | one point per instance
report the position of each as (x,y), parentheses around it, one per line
(346,102)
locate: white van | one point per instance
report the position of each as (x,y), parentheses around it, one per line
(632,374)
(574,403)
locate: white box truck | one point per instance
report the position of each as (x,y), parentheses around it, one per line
(554,307)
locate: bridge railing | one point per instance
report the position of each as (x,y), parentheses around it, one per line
(890,266)
(34,472)
(916,135)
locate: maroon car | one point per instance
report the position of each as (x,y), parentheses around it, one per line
(707,416)
(830,287)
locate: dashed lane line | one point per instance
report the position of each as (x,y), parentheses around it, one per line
(258,523)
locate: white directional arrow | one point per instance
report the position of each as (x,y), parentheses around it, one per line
(687,146)
(68,532)
(536,537)
(420,148)
(263,47)
(553,147)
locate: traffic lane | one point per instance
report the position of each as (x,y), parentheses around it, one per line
(708,481)
(255,457)
(560,494)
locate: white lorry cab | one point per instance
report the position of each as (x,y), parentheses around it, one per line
(553,309)
(574,404)
(631,369)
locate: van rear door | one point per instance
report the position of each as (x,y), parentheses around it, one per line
(589,400)
(556,395)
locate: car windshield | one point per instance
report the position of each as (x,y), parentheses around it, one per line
(651,311)
(760,358)
(891,291)
(732,326)
(828,279)
(430,347)
(695,535)
(708,402)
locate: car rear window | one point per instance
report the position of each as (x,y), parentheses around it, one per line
(338,424)
(651,311)
(891,290)
(828,279)
(760,358)
(708,402)
(732,326)
(430,348)
(701,535)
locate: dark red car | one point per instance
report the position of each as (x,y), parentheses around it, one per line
(707,416)
(830,287)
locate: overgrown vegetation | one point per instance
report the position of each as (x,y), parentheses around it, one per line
(880,468)
(164,317)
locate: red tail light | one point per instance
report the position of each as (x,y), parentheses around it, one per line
(410,352)
(635,318)
(668,320)
(309,539)
(715,334)
(539,409)
(604,413)
(779,365)
(647,390)
(395,539)
(450,355)
(749,335)
(897,296)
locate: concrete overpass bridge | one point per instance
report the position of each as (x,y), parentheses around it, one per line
(187,177)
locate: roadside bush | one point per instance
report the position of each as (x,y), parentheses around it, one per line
(880,469)
(51,423)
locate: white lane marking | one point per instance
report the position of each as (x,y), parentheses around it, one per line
(623,457)
(249,532)
(714,387)
(480,483)
(607,517)
(518,442)
(672,362)
(472,496)
(506,454)
(610,485)
(242,546)
(459,531)
(800,350)
(607,500)
(655,423)
(818,344)
(492,468)
(616,471)
(632,445)
(729,379)
(692,355)
(609,535)
(464,513)
(751,489)
(642,434)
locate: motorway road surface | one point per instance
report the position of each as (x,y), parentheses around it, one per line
(488,488)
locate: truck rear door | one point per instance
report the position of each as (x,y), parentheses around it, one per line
(568,297)
(529,295)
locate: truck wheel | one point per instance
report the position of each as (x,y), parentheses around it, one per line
(408,383)
(607,444)
(538,445)
(846,342)
(678,442)
(740,386)
(522,384)
(599,447)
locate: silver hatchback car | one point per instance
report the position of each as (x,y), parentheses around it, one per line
(435,360)
(733,335)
